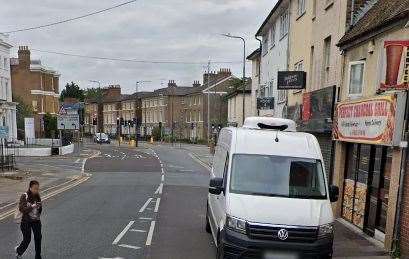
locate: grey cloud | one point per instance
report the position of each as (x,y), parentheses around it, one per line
(149,30)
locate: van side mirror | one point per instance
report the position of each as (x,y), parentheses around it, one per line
(216,186)
(333,193)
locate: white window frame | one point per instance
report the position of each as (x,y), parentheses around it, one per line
(300,7)
(264,45)
(281,96)
(273,35)
(284,24)
(353,63)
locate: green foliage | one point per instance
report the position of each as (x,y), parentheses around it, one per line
(22,111)
(94,93)
(156,134)
(72,90)
(50,125)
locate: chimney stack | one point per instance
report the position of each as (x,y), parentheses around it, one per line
(24,59)
(172,83)
(209,77)
(196,83)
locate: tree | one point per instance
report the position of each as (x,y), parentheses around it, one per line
(72,90)
(94,94)
(50,125)
(22,111)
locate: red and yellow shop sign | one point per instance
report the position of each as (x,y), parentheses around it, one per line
(377,120)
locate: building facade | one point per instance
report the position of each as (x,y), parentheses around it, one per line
(93,118)
(274,33)
(35,85)
(369,124)
(7,106)
(154,107)
(255,58)
(195,113)
(111,109)
(235,105)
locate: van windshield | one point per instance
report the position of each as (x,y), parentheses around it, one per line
(277,176)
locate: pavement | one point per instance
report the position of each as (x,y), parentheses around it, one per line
(145,202)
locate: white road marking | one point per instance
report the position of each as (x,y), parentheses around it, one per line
(163,178)
(163,171)
(159,190)
(118,238)
(200,162)
(129,246)
(157,205)
(150,234)
(137,230)
(145,205)
(110,258)
(78,160)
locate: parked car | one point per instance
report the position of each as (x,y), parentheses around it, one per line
(101,138)
(268,194)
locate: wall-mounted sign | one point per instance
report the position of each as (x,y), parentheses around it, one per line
(29,130)
(377,120)
(395,65)
(317,110)
(291,80)
(4,132)
(265,103)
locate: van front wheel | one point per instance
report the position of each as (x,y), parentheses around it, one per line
(220,250)
(208,229)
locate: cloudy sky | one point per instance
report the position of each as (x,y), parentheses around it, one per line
(176,30)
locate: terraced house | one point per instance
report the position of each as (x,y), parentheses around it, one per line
(36,85)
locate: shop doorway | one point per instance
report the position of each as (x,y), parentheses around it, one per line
(366,187)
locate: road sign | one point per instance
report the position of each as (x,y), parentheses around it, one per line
(68,122)
(62,111)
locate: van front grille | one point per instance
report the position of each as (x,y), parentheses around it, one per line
(270,232)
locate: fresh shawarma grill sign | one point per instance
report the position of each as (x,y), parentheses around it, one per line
(371,121)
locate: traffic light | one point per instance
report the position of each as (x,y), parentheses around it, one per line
(160,125)
(117,121)
(122,121)
(94,121)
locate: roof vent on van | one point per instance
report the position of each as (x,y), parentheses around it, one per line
(270,123)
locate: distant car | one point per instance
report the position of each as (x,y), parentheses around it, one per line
(101,138)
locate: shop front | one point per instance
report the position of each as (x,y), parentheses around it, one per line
(371,131)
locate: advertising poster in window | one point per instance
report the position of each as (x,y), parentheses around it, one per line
(377,120)
(394,65)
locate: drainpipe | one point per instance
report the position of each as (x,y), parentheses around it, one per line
(352,13)
(259,71)
(405,153)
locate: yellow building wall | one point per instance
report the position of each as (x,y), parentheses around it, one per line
(300,42)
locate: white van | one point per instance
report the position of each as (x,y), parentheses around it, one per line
(268,194)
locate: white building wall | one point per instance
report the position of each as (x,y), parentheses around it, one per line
(274,59)
(7,107)
(235,109)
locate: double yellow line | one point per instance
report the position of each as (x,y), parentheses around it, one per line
(69,184)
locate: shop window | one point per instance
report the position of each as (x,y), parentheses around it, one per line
(366,187)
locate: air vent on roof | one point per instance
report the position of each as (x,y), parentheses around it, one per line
(269,123)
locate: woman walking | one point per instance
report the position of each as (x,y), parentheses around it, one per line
(30,208)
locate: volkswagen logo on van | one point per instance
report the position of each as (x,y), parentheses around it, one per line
(282,234)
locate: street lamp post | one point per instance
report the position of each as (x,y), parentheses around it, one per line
(244,68)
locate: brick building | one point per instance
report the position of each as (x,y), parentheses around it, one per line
(36,85)
(369,151)
(111,109)
(93,119)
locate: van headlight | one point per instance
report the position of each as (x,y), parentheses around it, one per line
(326,230)
(236,224)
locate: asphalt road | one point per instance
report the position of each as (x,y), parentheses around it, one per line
(138,203)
